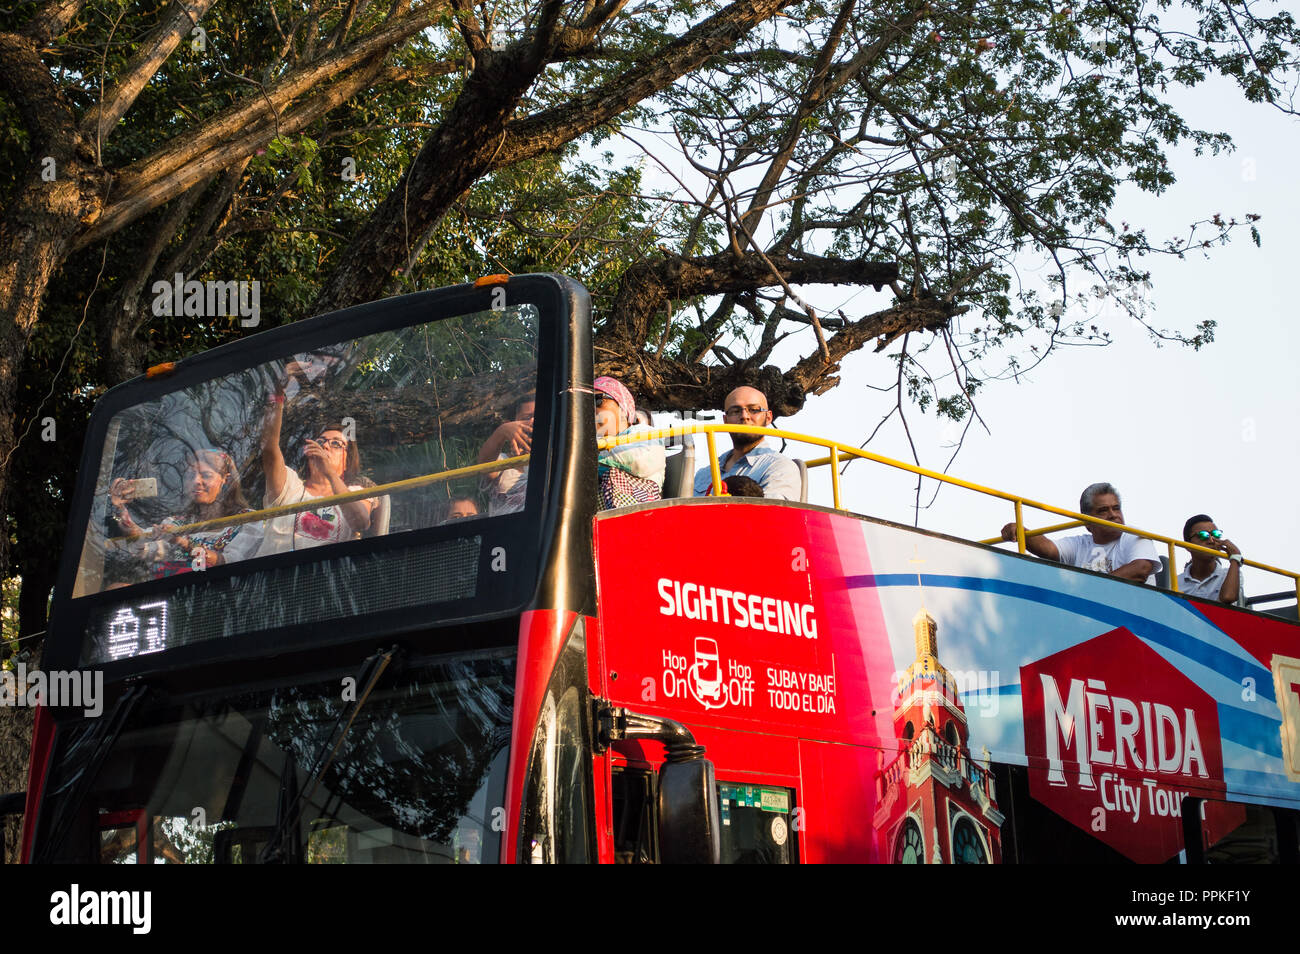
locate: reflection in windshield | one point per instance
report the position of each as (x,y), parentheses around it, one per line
(184,480)
(416,779)
(506,489)
(212,491)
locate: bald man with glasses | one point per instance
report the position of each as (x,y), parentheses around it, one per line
(749,456)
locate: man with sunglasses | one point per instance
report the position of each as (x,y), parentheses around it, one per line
(1205,576)
(1102,549)
(777,474)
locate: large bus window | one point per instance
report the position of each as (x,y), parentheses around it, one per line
(759,824)
(183,480)
(317,486)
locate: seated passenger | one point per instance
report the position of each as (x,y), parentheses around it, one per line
(507,490)
(777,474)
(213,491)
(1101,549)
(628,473)
(1204,575)
(460,508)
(333,467)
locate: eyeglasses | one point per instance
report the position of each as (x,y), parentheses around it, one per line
(738,411)
(1206,534)
(334,443)
(604,399)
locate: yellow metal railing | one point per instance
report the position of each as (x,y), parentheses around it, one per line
(838,452)
(315,503)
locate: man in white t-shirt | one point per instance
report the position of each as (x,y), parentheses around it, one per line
(1102,549)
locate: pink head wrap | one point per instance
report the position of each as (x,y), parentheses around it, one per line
(621,395)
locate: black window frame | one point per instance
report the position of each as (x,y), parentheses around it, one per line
(563,329)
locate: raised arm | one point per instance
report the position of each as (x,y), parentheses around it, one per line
(512,438)
(1230,591)
(358,512)
(272,457)
(118,494)
(355,512)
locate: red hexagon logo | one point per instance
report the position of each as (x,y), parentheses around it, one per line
(1116,738)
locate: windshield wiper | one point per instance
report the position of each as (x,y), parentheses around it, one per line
(366,679)
(98,741)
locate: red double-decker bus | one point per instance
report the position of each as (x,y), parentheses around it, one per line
(444,653)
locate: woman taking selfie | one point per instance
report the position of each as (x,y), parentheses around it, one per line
(212,488)
(332,466)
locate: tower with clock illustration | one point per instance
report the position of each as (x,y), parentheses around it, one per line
(936,803)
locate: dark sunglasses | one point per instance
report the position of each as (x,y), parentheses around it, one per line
(1206,534)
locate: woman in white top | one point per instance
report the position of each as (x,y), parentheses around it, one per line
(333,467)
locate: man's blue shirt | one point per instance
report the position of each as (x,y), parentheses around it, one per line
(777,474)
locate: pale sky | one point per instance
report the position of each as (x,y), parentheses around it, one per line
(1178,432)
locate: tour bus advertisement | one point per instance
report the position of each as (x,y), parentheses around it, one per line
(1119,700)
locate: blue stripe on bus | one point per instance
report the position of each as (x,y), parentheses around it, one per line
(1253,730)
(1245,784)
(1220,661)
(1002,689)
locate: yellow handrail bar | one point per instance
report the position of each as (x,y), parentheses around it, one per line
(315,503)
(1036,532)
(839,449)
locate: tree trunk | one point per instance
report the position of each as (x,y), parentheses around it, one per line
(15,749)
(35,236)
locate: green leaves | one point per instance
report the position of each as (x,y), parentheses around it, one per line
(296,153)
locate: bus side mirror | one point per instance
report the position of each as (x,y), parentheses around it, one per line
(689,826)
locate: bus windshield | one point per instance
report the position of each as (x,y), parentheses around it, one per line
(282,774)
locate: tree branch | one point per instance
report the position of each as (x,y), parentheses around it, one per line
(42,107)
(647,286)
(813,375)
(129,208)
(140,70)
(230,124)
(51,19)
(552,128)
